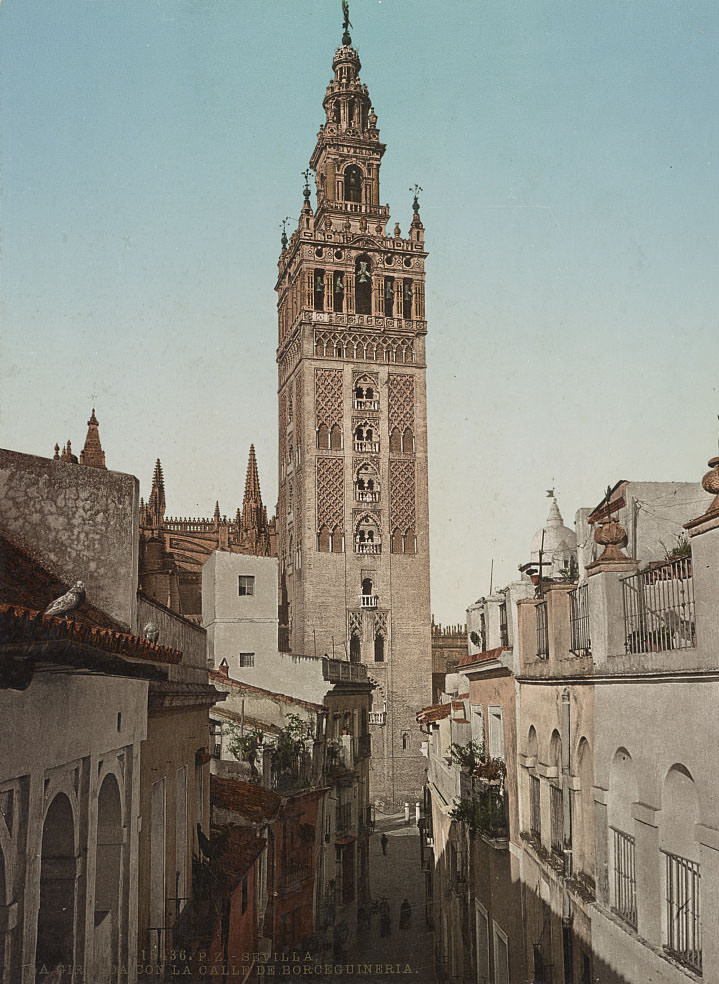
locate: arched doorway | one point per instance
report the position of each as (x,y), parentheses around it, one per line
(56,918)
(108,877)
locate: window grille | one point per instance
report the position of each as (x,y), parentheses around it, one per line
(659,608)
(581,644)
(542,631)
(683,915)
(247,659)
(535,816)
(625,879)
(557,819)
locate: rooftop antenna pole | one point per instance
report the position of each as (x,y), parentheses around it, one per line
(491,575)
(541,565)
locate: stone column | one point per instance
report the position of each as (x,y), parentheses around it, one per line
(647,860)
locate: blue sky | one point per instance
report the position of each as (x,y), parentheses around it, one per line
(568,153)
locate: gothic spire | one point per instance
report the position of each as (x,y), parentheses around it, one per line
(156,502)
(92,454)
(254,536)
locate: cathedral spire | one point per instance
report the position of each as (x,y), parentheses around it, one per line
(156,502)
(92,454)
(254,536)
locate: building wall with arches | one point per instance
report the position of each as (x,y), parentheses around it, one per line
(69,808)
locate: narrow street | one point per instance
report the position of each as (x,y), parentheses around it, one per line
(394,877)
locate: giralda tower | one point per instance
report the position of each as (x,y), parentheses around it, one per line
(353,516)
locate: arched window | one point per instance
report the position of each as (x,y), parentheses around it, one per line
(407,298)
(367,537)
(367,487)
(410,540)
(367,586)
(319,290)
(395,441)
(323,437)
(353,183)
(681,868)
(396,545)
(336,438)
(363,284)
(339,290)
(389,297)
(623,793)
(379,648)
(408,441)
(336,540)
(323,540)
(355,648)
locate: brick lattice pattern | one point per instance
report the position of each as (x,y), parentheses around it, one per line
(328,396)
(402,511)
(401,401)
(330,492)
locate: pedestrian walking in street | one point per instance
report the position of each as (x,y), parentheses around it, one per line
(384,840)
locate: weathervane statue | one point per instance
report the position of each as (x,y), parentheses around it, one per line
(346,39)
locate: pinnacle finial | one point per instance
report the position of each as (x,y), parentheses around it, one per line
(283,226)
(346,39)
(306,190)
(415,202)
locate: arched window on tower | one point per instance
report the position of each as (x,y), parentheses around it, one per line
(407,298)
(410,541)
(396,541)
(395,440)
(379,647)
(353,184)
(408,441)
(319,290)
(355,647)
(389,297)
(367,487)
(336,541)
(363,284)
(336,438)
(323,539)
(323,437)
(339,290)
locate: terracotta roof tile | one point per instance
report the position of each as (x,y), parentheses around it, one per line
(437,712)
(25,625)
(471,659)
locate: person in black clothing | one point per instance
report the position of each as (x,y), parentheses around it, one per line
(384,840)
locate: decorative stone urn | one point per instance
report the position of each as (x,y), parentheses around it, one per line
(710,484)
(610,534)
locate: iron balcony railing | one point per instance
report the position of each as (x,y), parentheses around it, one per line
(542,631)
(378,717)
(683,912)
(580,640)
(659,608)
(624,900)
(367,548)
(369,601)
(366,404)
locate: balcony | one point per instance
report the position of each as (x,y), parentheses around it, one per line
(340,670)
(378,717)
(368,548)
(371,447)
(369,601)
(659,608)
(361,495)
(372,405)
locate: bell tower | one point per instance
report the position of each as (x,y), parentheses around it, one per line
(353,514)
